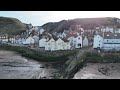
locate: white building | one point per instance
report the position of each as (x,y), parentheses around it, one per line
(59,35)
(107,41)
(61,45)
(53,45)
(67,46)
(85,41)
(12,40)
(98,41)
(108,29)
(4,38)
(76,41)
(37,29)
(36,39)
(30,40)
(42,42)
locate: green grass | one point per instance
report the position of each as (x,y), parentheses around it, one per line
(11,26)
(102,57)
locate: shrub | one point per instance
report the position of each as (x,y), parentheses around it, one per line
(29,53)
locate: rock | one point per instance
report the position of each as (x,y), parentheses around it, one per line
(104,70)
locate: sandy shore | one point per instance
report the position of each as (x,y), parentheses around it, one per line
(99,71)
(14,66)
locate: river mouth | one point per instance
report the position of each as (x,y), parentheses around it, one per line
(14,66)
(99,71)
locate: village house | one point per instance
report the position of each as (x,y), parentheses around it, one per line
(78,43)
(36,39)
(12,39)
(98,41)
(107,41)
(117,30)
(42,42)
(59,35)
(75,41)
(41,30)
(108,29)
(50,45)
(29,41)
(59,44)
(36,29)
(85,41)
(4,38)
(19,39)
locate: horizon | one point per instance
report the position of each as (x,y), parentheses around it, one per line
(39,18)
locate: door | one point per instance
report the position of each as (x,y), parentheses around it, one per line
(79,45)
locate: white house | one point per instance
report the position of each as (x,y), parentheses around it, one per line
(51,45)
(12,40)
(85,41)
(42,42)
(71,40)
(67,46)
(117,30)
(98,41)
(19,40)
(108,29)
(4,38)
(36,39)
(62,45)
(111,41)
(59,35)
(30,40)
(41,31)
(107,41)
(76,41)
(64,35)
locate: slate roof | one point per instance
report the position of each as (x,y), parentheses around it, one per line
(112,36)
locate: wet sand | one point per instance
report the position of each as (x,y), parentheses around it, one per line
(14,66)
(99,71)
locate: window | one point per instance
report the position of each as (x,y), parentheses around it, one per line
(79,38)
(99,41)
(48,43)
(99,44)
(107,40)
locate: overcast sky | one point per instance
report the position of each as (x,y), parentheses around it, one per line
(38,18)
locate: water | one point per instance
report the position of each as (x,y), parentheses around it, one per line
(14,66)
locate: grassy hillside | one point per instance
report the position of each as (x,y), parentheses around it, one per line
(11,25)
(87,23)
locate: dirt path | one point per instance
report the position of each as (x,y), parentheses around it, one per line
(14,66)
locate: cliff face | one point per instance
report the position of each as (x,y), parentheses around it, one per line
(87,23)
(11,26)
